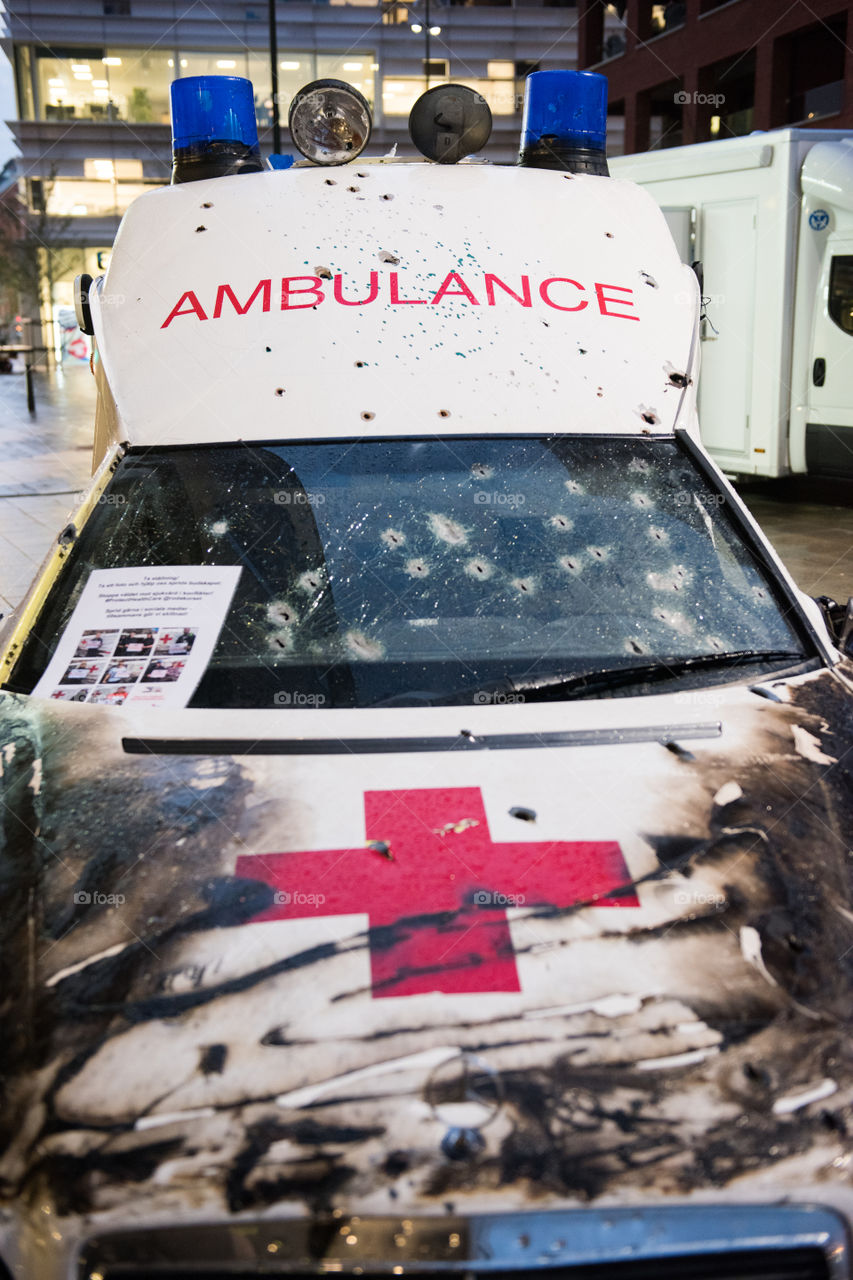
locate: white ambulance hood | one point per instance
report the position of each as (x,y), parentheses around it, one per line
(265,981)
(395,298)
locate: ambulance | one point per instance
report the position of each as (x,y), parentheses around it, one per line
(426,795)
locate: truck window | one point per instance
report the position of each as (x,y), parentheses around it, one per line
(841,292)
(388,572)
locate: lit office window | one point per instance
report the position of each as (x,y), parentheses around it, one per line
(103,84)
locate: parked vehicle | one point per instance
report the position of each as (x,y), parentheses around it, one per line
(426,796)
(770,219)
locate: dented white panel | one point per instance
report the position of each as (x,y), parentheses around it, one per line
(394,299)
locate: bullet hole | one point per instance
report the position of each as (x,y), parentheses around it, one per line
(444,413)
(523,815)
(361,646)
(679,380)
(609,235)
(323,272)
(281,614)
(479,570)
(212,1059)
(310,581)
(281,641)
(641,500)
(581,351)
(658,535)
(385,256)
(650,417)
(524,586)
(353,189)
(330,182)
(387,196)
(634,647)
(574,487)
(571,564)
(200,229)
(599,393)
(361,175)
(267,349)
(68,535)
(392,538)
(599,553)
(382,847)
(447,530)
(562,523)
(568,176)
(546,324)
(417,568)
(677,750)
(368,416)
(439,207)
(208,204)
(279,391)
(649,280)
(361,364)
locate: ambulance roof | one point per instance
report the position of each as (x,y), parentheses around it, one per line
(394,299)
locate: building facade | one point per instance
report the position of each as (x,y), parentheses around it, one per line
(93,88)
(695,70)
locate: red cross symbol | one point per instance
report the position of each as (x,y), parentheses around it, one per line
(437,907)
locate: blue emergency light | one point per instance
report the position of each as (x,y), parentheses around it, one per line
(564,125)
(214,130)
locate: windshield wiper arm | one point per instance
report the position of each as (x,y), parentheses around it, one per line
(557,685)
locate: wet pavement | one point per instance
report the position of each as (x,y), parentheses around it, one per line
(46,464)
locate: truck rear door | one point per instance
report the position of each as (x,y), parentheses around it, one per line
(829,430)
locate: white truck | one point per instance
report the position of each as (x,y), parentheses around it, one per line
(770,218)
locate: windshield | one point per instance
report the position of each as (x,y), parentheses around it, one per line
(388,572)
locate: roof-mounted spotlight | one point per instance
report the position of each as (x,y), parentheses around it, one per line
(330,122)
(214,130)
(450,122)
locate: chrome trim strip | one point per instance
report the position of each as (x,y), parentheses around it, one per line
(491,1243)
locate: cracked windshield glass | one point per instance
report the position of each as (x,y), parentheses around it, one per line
(410,572)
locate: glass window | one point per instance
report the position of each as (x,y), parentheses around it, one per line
(104,84)
(81,198)
(415,570)
(399,94)
(356,67)
(841,292)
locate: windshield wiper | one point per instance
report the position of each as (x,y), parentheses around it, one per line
(558,685)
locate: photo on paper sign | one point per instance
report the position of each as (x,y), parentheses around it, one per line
(96,644)
(70,695)
(175,642)
(163,672)
(109,697)
(123,672)
(80,672)
(136,643)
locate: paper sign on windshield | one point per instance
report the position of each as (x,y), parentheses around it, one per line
(141,636)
